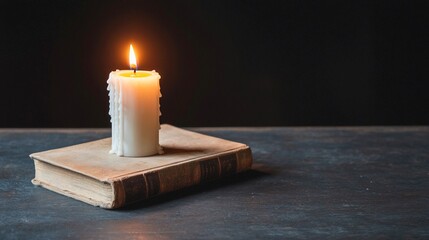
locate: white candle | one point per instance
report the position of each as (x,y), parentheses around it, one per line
(134,110)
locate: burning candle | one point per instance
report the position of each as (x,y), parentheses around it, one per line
(134,110)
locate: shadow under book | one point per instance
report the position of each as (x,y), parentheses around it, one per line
(87,172)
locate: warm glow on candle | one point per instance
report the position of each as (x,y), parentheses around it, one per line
(133,61)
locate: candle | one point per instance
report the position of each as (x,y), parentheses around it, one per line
(134,110)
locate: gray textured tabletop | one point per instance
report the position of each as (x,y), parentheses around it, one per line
(354,182)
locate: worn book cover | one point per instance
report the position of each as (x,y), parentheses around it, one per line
(88,172)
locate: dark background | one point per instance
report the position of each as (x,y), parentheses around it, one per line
(223,63)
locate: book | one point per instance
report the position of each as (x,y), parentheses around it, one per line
(87,172)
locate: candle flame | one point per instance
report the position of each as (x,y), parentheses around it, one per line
(133,61)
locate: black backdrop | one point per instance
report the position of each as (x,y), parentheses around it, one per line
(223,63)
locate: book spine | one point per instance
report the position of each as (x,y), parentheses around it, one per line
(150,184)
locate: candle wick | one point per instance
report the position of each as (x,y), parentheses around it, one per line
(133,67)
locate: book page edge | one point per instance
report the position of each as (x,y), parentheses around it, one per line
(71,194)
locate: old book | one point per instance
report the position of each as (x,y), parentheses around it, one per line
(87,171)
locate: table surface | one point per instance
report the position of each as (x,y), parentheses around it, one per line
(306,182)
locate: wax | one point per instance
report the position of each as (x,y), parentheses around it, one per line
(134,112)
